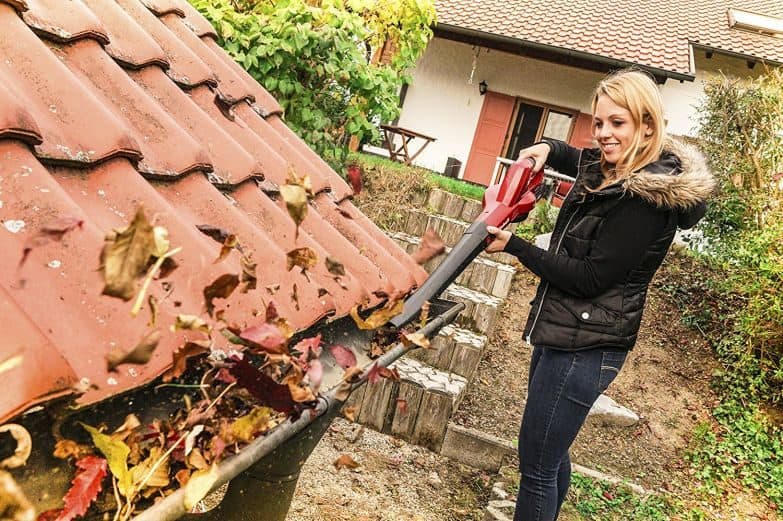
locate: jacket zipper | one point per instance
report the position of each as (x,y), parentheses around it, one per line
(557,249)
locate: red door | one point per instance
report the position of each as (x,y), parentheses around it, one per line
(489,138)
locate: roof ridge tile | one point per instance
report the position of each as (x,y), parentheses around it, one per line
(64,21)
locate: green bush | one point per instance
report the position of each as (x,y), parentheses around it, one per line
(315,57)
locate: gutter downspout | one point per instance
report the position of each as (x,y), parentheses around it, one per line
(254,503)
(444,30)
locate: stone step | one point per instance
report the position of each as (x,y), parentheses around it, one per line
(449,229)
(417,408)
(481,310)
(455,350)
(452,205)
(483,274)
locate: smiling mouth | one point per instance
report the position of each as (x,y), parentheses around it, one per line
(608,147)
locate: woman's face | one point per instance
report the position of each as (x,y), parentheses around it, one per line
(614,129)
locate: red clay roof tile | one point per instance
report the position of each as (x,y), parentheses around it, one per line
(669,27)
(92,127)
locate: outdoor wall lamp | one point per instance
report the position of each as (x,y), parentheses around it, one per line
(482,87)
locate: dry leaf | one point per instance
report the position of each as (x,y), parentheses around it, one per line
(66,448)
(305,258)
(52,231)
(350,413)
(345,461)
(191,323)
(139,355)
(222,287)
(354,173)
(431,246)
(116,453)
(152,301)
(16,507)
(128,426)
(181,356)
(199,485)
(379,317)
(266,337)
(424,315)
(24,445)
(125,257)
(416,339)
(251,425)
(229,244)
(153,472)
(248,277)
(295,197)
(402,405)
(335,268)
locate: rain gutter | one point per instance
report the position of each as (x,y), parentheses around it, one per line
(173,506)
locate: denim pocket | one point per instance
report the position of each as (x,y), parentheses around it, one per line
(611,363)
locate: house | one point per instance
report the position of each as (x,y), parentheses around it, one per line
(499,75)
(109,106)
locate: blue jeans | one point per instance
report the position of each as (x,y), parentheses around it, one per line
(562,387)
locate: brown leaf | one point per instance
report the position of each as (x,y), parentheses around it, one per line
(152,301)
(335,268)
(295,297)
(221,287)
(424,315)
(417,339)
(350,376)
(272,289)
(139,355)
(322,292)
(182,477)
(354,173)
(229,244)
(191,323)
(13,500)
(379,317)
(126,429)
(350,413)
(345,461)
(125,256)
(52,231)
(295,197)
(305,258)
(431,246)
(181,356)
(271,311)
(377,372)
(66,448)
(248,277)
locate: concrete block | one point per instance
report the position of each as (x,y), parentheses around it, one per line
(471,210)
(610,413)
(452,206)
(435,200)
(475,448)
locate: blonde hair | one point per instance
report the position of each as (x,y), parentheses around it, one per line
(636,92)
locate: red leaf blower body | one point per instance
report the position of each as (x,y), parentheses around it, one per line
(509,201)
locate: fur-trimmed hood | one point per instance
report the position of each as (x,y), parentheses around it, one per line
(679,180)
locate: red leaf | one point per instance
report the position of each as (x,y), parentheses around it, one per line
(307,346)
(344,356)
(402,405)
(52,231)
(355,177)
(85,487)
(49,515)
(430,247)
(377,372)
(268,337)
(262,387)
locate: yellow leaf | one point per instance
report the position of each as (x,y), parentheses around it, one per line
(116,454)
(140,474)
(305,258)
(256,422)
(295,198)
(192,323)
(378,317)
(416,339)
(199,485)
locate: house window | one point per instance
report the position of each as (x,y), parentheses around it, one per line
(533,121)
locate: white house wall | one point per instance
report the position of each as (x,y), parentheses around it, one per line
(443,104)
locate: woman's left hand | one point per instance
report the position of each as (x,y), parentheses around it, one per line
(501,238)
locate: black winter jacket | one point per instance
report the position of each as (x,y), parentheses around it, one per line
(607,245)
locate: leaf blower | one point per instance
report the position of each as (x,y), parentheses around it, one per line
(511,200)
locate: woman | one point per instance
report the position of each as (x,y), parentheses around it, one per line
(613,231)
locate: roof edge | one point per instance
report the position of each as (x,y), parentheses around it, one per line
(447,30)
(734,54)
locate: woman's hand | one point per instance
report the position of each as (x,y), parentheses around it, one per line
(537,153)
(501,238)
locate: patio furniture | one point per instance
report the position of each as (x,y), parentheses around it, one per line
(402,153)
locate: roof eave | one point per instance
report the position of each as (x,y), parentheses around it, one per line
(734,54)
(549,52)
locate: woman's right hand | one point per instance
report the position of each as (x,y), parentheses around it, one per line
(537,153)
